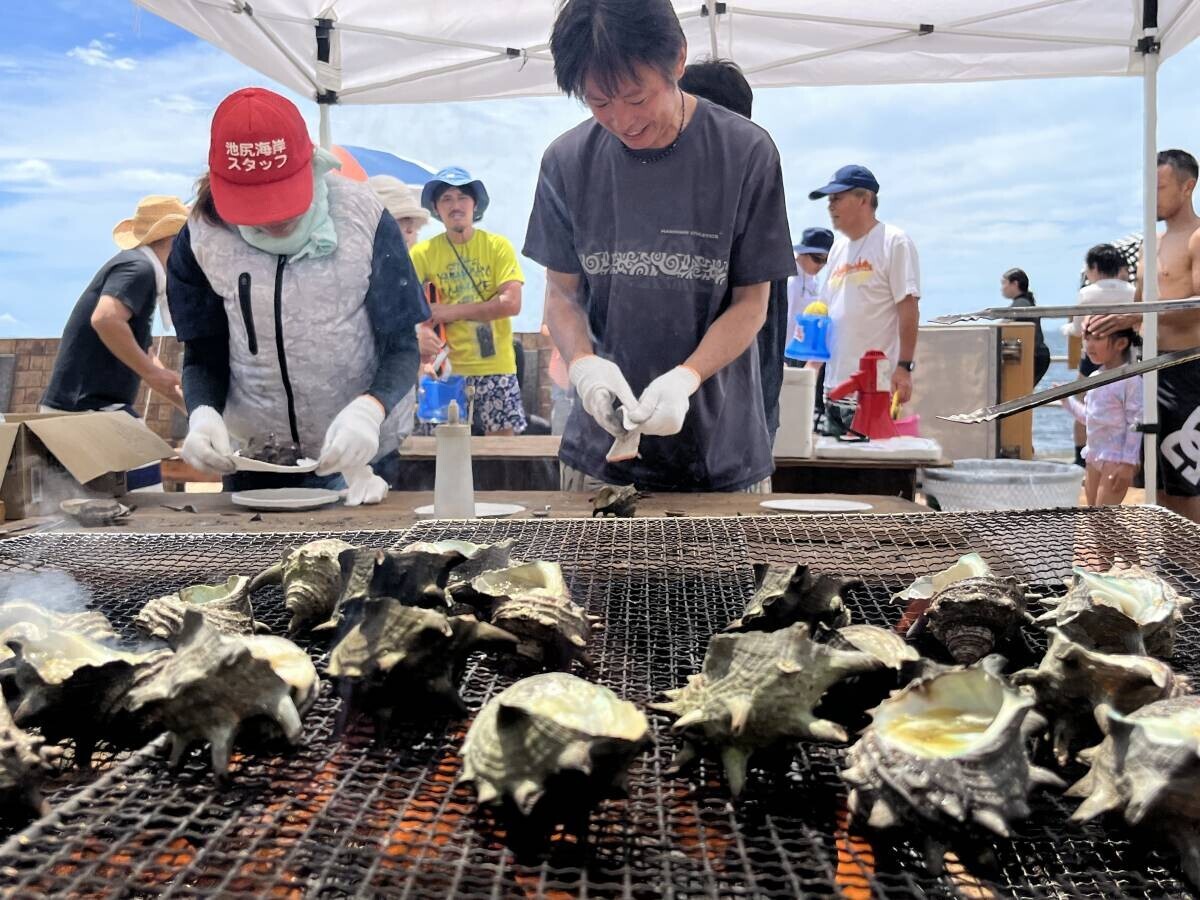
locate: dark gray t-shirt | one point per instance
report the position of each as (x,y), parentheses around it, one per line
(86,375)
(659,247)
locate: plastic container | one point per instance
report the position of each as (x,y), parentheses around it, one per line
(797,397)
(810,339)
(988,484)
(453,483)
(435,395)
(909,426)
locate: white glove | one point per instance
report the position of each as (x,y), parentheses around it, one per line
(664,403)
(599,383)
(207,444)
(364,486)
(352,439)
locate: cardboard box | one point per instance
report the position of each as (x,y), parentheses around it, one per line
(48,458)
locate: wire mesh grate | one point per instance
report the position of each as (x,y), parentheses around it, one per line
(356,815)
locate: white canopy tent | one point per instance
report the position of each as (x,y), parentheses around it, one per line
(420,51)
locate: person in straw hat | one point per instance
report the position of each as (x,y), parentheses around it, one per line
(104,353)
(403,204)
(292,291)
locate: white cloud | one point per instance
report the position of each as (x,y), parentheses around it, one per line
(8,319)
(27,172)
(96,53)
(178,103)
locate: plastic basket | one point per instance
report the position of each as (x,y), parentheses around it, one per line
(986,484)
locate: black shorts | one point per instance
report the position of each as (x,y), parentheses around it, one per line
(1179,429)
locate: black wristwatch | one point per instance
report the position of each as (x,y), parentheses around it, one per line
(907,364)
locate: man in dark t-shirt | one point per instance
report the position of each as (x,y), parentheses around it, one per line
(103,353)
(721,81)
(661,223)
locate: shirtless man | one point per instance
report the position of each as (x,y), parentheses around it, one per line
(1178,386)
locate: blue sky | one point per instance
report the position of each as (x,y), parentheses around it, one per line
(103,103)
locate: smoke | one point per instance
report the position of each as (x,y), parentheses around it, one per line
(50,589)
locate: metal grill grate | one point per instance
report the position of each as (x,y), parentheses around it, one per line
(356,816)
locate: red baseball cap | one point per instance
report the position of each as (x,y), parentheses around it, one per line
(259,159)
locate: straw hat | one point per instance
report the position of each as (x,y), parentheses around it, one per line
(157,217)
(399,199)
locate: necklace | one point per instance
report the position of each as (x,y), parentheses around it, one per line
(665,151)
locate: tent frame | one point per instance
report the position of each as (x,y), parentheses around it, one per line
(325,80)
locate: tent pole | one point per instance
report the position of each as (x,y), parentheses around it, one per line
(326,135)
(1148,270)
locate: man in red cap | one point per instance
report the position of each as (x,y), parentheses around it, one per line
(296,301)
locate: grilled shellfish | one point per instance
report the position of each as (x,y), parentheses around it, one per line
(1124,610)
(1148,767)
(226,607)
(784,595)
(22,761)
(209,688)
(532,602)
(552,736)
(1076,687)
(403,657)
(947,751)
(970,616)
(75,687)
(311,576)
(29,620)
(477,558)
(755,690)
(412,577)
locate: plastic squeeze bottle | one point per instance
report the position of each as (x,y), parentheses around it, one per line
(453,484)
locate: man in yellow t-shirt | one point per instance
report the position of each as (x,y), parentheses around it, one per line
(477,290)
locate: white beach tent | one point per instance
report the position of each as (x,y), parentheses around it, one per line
(421,51)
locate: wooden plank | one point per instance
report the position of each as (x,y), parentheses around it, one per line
(1016,380)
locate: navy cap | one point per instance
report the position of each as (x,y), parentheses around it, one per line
(817,241)
(847,178)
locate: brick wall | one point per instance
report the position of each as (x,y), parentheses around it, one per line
(34,360)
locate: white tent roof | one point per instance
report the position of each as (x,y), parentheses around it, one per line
(385,51)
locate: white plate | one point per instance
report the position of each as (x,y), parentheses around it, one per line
(482,510)
(817,505)
(286,498)
(246,464)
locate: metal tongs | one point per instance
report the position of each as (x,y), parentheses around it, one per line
(1069,312)
(1079,385)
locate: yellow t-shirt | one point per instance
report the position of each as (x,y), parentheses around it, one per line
(491,261)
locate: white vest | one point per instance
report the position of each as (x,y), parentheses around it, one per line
(327,340)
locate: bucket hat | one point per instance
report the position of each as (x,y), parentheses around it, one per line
(458,177)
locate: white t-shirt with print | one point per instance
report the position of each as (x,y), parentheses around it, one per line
(865,280)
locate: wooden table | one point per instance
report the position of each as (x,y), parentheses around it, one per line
(885,477)
(531,463)
(167,512)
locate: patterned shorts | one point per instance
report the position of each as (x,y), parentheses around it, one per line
(497,406)
(497,403)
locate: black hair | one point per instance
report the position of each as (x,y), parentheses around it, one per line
(1135,340)
(441,187)
(1019,277)
(605,39)
(1181,162)
(722,82)
(1106,259)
